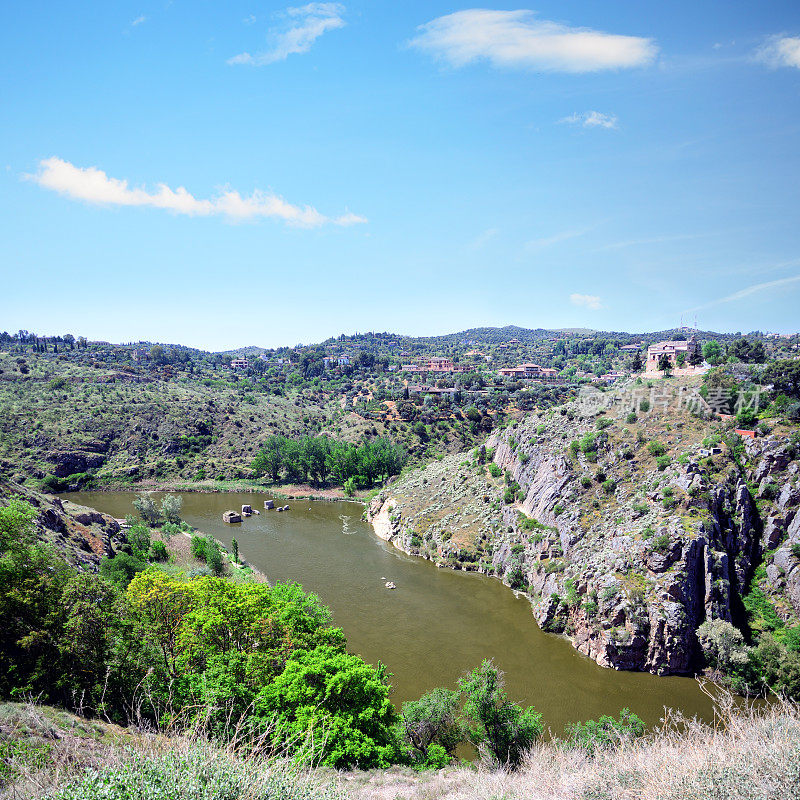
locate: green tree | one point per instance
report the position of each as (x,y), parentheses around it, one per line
(270,458)
(433,719)
(712,352)
(496,724)
(636,362)
(343,700)
(665,364)
(784,375)
(171,507)
(146,507)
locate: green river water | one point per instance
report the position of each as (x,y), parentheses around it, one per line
(436,624)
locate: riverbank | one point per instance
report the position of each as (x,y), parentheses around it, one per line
(278,491)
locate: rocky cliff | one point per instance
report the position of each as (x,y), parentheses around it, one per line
(83,535)
(626,530)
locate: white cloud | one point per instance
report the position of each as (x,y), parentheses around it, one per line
(309,23)
(483,238)
(591,119)
(518,39)
(249,19)
(590,301)
(139,20)
(93,186)
(779,51)
(746,292)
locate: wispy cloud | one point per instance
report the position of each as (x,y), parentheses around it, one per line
(591,119)
(590,301)
(139,20)
(677,237)
(92,185)
(519,39)
(308,23)
(483,238)
(746,292)
(779,51)
(249,19)
(557,238)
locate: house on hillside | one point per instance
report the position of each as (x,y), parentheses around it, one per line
(672,351)
(240,363)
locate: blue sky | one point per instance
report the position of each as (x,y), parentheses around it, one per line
(222,174)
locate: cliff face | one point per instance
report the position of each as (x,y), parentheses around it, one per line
(83,535)
(626,534)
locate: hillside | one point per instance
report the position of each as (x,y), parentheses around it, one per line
(626,530)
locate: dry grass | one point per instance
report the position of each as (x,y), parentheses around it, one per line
(746,755)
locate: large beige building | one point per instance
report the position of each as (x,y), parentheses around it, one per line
(671,350)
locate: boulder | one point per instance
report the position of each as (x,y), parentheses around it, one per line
(231,516)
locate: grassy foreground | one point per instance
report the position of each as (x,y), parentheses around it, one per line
(746,755)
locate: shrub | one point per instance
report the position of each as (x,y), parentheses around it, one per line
(158,551)
(495,471)
(796,549)
(631,418)
(609,486)
(723,645)
(502,729)
(662,542)
(605,733)
(644,406)
(586,481)
(603,422)
(345,699)
(662,462)
(656,448)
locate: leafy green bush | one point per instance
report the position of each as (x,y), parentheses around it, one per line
(662,462)
(662,543)
(158,551)
(433,721)
(656,448)
(344,700)
(631,418)
(605,733)
(504,729)
(495,471)
(609,486)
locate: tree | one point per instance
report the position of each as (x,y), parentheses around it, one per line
(433,719)
(235,550)
(723,645)
(147,509)
(157,355)
(269,459)
(171,507)
(343,700)
(665,364)
(784,375)
(712,352)
(636,362)
(496,724)
(680,358)
(696,357)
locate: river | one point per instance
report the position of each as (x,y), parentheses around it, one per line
(436,624)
